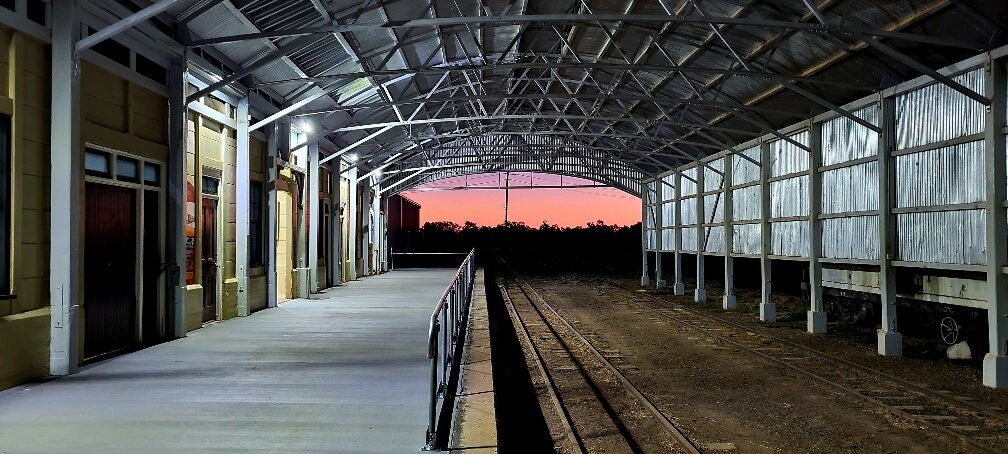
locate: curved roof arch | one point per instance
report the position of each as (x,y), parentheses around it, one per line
(644,84)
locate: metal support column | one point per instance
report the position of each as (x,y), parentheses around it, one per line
(890,342)
(995,362)
(728,300)
(175,255)
(66,186)
(335,228)
(700,294)
(768,310)
(279,139)
(679,288)
(816,322)
(242,206)
(312,183)
(645,279)
(659,226)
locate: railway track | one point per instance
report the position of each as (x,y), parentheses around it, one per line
(599,409)
(976,427)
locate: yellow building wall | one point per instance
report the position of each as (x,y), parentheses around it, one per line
(284,244)
(24,316)
(257,298)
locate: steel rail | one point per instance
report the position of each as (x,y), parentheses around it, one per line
(684,442)
(804,372)
(552,389)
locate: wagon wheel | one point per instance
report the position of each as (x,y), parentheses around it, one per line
(949,330)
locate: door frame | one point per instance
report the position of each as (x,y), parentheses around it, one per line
(219,249)
(138,188)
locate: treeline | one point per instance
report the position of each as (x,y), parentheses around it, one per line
(593,246)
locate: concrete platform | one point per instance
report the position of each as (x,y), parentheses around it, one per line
(346,372)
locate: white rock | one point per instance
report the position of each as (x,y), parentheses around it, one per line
(959,351)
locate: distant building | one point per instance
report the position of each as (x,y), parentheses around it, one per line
(403,223)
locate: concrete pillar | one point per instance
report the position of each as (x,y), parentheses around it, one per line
(66,186)
(242,205)
(175,183)
(679,288)
(645,280)
(312,193)
(659,226)
(890,342)
(728,300)
(768,310)
(700,294)
(995,362)
(816,322)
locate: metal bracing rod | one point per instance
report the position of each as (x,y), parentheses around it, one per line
(124,24)
(347,148)
(510,20)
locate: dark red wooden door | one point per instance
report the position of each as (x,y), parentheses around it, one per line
(209,259)
(109,270)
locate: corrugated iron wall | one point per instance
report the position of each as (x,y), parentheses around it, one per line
(939,184)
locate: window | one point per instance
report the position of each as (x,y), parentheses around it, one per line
(210,185)
(97,163)
(152,174)
(37,11)
(5,203)
(151,70)
(112,49)
(255,223)
(127,169)
(9,4)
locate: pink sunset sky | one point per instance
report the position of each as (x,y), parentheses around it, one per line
(565,207)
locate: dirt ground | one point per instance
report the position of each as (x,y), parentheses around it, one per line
(726,399)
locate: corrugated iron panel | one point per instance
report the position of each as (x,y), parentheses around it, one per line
(668,214)
(937,112)
(668,239)
(789,197)
(943,237)
(786,157)
(848,189)
(689,237)
(746,203)
(714,239)
(845,140)
(746,239)
(790,238)
(744,170)
(851,238)
(713,208)
(688,181)
(943,176)
(712,178)
(688,210)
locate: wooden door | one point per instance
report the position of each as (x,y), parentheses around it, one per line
(109,270)
(208,221)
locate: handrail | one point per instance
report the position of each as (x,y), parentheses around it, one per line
(450,311)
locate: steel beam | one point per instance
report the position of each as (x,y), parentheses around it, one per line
(66,187)
(768,310)
(728,300)
(700,294)
(816,321)
(679,288)
(995,362)
(176,197)
(312,189)
(890,342)
(124,24)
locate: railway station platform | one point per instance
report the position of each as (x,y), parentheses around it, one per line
(345,371)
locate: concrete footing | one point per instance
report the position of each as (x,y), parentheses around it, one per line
(728,302)
(816,322)
(679,288)
(995,371)
(661,283)
(700,295)
(645,280)
(890,343)
(768,312)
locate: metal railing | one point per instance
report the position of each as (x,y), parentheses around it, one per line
(447,320)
